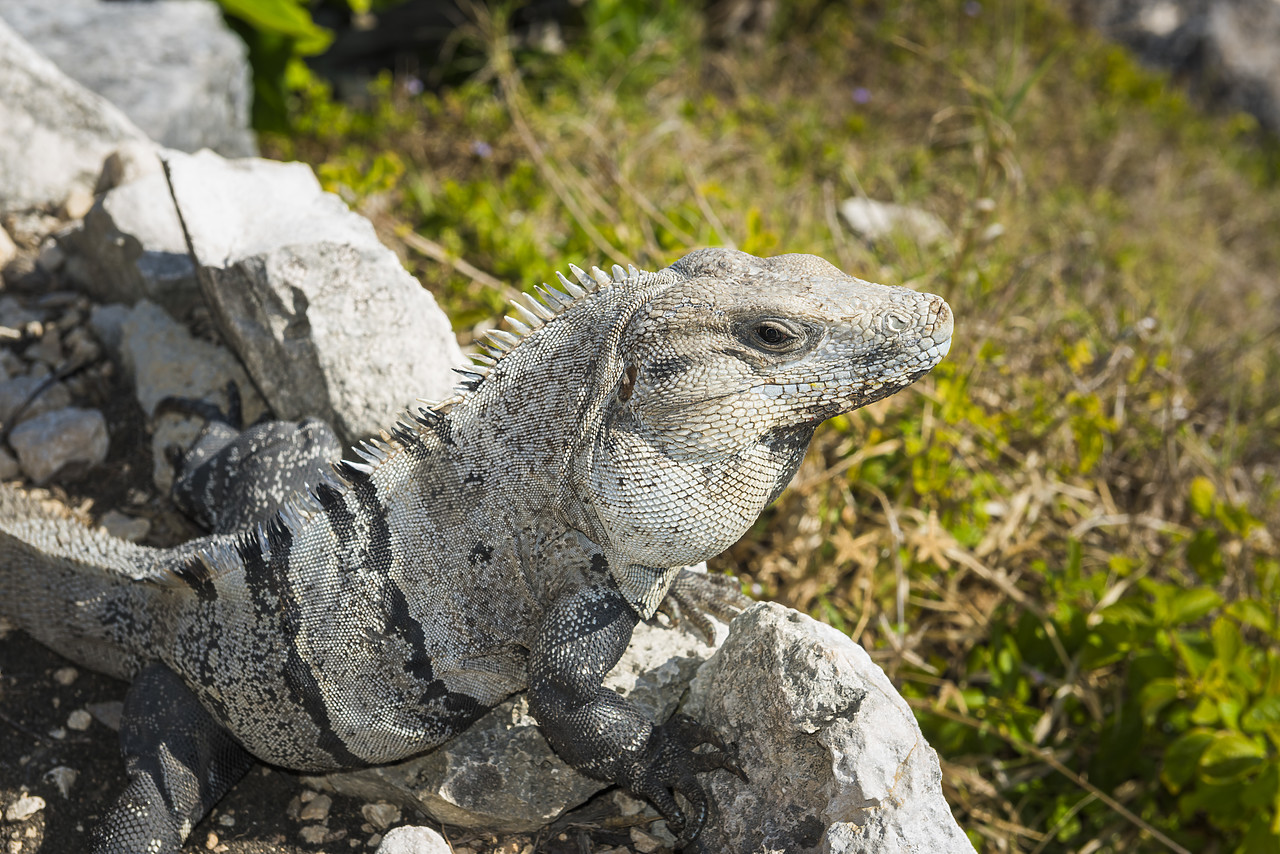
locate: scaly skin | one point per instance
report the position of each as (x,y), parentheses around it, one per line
(507,539)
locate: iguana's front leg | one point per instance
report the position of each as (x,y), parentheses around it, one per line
(179,761)
(601,734)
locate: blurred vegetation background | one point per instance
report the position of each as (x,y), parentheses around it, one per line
(1061,545)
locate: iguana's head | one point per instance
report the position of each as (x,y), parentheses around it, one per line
(659,413)
(726,374)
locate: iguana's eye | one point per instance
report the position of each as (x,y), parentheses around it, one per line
(772,335)
(894,323)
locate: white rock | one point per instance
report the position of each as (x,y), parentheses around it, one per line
(836,760)
(23,808)
(131,247)
(48,442)
(172,66)
(164,360)
(8,249)
(63,777)
(324,316)
(56,132)
(79,720)
(413,840)
(877,220)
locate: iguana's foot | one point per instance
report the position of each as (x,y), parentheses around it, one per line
(179,762)
(604,735)
(694,595)
(669,768)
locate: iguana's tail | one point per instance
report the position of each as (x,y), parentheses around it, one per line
(76,589)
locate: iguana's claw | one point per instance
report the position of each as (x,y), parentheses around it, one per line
(694,595)
(672,769)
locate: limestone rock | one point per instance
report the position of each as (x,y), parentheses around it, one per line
(17,391)
(131,246)
(172,66)
(501,775)
(56,132)
(55,439)
(165,360)
(874,221)
(413,840)
(1228,51)
(324,317)
(836,760)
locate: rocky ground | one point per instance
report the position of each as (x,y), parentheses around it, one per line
(70,421)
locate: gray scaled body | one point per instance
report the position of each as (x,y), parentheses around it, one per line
(507,539)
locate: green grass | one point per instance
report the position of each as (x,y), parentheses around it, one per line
(1061,545)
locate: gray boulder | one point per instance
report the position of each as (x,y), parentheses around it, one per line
(163,359)
(130,246)
(48,442)
(172,66)
(324,317)
(836,760)
(1227,50)
(56,132)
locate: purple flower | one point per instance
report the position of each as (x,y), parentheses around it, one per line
(973,8)
(413,85)
(480,148)
(861,95)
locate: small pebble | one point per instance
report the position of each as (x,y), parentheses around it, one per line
(381,815)
(51,257)
(64,778)
(227,820)
(643,842)
(23,808)
(79,720)
(313,834)
(125,527)
(211,841)
(64,676)
(77,203)
(58,734)
(108,713)
(316,809)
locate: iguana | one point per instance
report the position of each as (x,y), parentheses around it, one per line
(507,539)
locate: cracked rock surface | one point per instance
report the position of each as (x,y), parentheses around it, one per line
(836,760)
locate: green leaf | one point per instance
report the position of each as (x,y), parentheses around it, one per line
(1182,757)
(1261,715)
(1188,606)
(1230,757)
(1251,612)
(1157,694)
(1226,640)
(288,18)
(1205,555)
(1202,494)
